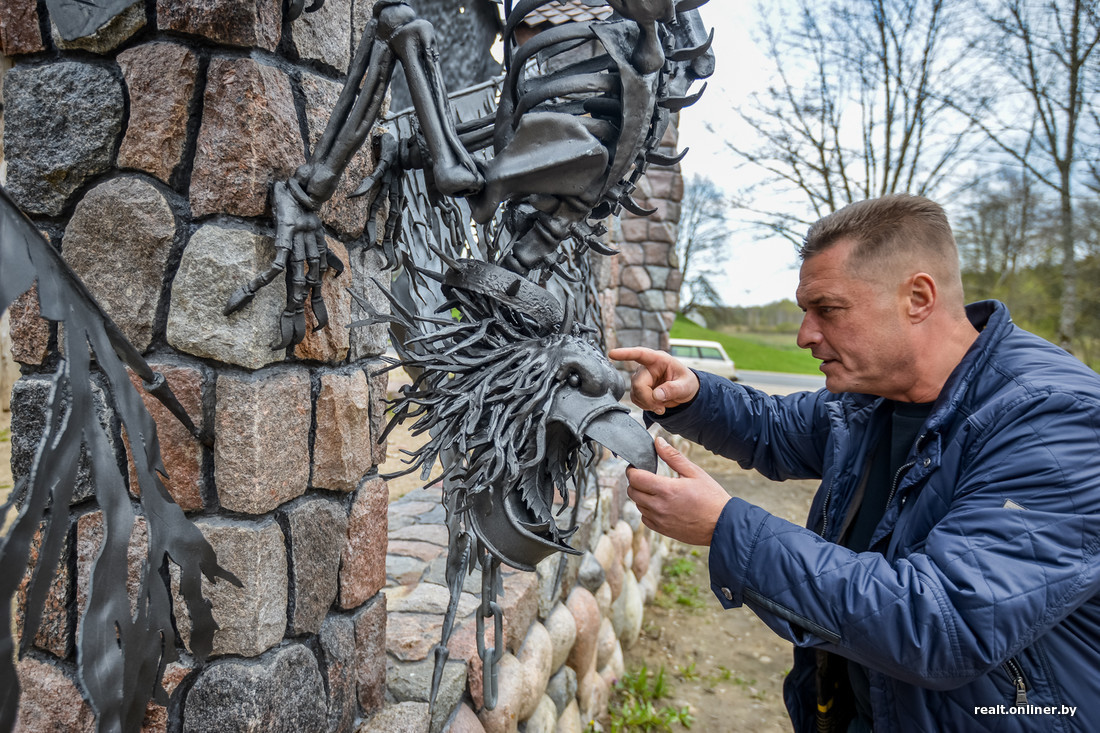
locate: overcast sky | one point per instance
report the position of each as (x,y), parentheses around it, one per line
(757,271)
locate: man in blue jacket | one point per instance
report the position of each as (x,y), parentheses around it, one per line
(948,578)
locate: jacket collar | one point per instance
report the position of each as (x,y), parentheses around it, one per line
(991,319)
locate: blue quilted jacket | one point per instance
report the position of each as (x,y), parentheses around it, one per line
(978,607)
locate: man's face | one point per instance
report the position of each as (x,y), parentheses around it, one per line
(855,324)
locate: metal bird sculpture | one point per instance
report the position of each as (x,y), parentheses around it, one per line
(510,385)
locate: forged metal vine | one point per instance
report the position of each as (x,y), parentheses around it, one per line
(121,656)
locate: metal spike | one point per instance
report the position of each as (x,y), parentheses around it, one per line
(634,207)
(666,160)
(675,104)
(692,53)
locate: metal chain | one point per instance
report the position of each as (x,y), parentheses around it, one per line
(490,656)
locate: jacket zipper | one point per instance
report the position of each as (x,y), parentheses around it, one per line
(897,480)
(825,508)
(1016,674)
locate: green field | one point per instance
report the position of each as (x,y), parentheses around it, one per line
(757,352)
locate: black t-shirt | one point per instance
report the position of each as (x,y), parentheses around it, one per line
(888,465)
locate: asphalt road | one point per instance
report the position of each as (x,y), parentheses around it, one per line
(779,383)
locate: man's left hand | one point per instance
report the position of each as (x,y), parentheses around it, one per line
(686,507)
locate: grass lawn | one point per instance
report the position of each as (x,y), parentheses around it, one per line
(750,352)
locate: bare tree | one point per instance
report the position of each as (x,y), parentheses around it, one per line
(858,109)
(1048,51)
(701,241)
(1003,228)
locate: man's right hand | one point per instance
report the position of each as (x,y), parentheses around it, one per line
(661,382)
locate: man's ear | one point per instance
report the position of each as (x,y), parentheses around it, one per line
(922,294)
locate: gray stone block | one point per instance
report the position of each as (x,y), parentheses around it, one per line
(29,409)
(282,692)
(652,300)
(627,317)
(216,262)
(119,241)
(412,682)
(61,121)
(549,591)
(591,575)
(367,341)
(405,717)
(251,619)
(317,529)
(337,640)
(658,276)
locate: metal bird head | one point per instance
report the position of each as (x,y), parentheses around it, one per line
(512,398)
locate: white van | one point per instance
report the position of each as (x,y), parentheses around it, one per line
(706,356)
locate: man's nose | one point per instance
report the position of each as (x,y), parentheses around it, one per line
(808,333)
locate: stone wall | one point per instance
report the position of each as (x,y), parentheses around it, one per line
(145,153)
(645,283)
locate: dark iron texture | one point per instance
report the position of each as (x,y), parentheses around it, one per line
(79,18)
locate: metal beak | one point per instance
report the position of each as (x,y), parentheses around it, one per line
(607,422)
(624,436)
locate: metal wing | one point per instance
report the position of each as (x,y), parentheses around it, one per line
(120,656)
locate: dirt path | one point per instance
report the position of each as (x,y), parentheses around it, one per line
(726,666)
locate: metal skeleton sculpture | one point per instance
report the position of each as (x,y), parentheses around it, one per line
(510,387)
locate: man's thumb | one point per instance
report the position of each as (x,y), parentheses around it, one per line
(676,460)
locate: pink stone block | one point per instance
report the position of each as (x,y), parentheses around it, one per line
(180,451)
(160,79)
(370,655)
(256,23)
(342,450)
(30,333)
(50,701)
(261,445)
(19,29)
(331,343)
(363,565)
(244,101)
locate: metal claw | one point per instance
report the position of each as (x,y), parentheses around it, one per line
(634,207)
(292,328)
(320,311)
(689,54)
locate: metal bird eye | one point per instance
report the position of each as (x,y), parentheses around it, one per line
(573,380)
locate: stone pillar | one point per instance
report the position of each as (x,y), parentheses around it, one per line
(145,151)
(645,283)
